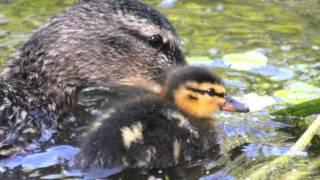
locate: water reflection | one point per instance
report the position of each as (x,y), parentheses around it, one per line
(50,157)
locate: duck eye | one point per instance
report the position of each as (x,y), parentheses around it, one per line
(155,41)
(211,92)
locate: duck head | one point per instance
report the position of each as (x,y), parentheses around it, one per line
(200,93)
(95,42)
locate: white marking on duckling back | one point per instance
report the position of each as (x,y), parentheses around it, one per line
(176,150)
(183,122)
(132,134)
(100,120)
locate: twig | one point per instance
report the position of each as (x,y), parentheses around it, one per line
(282,161)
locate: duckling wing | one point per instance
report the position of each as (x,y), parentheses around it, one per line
(136,134)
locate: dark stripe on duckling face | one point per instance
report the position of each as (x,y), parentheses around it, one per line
(210,92)
(192,97)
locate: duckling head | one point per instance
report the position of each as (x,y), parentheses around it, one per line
(200,93)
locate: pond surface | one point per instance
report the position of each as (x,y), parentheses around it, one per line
(267,51)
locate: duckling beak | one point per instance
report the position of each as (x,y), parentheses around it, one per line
(232,105)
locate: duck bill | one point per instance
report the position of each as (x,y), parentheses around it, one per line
(232,105)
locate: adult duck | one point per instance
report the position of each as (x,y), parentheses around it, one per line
(93,42)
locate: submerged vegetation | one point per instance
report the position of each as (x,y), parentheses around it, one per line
(268,53)
(303,109)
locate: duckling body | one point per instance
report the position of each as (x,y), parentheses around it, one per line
(156,132)
(93,42)
(144,133)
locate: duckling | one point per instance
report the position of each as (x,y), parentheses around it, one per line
(93,42)
(158,132)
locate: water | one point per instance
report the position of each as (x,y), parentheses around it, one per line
(277,41)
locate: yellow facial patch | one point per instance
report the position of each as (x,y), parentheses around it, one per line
(199,104)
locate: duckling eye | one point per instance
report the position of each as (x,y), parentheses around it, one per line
(155,41)
(211,92)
